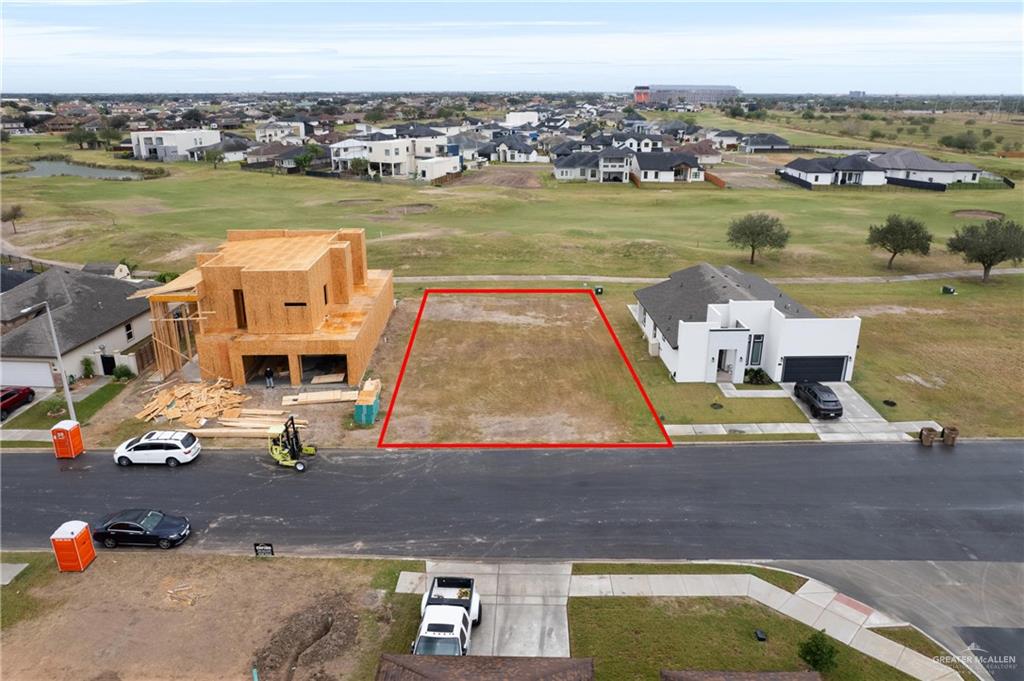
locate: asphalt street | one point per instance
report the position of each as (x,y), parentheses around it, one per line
(765,501)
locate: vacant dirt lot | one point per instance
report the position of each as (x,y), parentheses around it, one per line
(179,615)
(525,176)
(520,367)
(753,171)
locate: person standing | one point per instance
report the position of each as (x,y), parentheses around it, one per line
(268,374)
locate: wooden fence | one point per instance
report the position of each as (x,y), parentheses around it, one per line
(714,179)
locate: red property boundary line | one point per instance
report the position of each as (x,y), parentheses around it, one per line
(518,445)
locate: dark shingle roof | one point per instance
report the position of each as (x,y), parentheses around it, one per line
(84,306)
(686,294)
(579,159)
(511,142)
(766,140)
(416,130)
(662,160)
(10,277)
(829,164)
(908,159)
(431,668)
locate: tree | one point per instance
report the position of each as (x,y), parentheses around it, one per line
(989,244)
(5,136)
(192,116)
(359,166)
(819,652)
(109,136)
(900,235)
(80,137)
(214,156)
(306,158)
(12,214)
(758,231)
(374,115)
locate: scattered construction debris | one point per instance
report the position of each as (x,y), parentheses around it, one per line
(321,397)
(193,403)
(328,378)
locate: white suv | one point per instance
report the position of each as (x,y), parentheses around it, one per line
(170,447)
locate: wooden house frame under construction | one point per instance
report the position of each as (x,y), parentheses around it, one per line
(300,302)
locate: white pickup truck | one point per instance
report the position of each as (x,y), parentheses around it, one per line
(450,609)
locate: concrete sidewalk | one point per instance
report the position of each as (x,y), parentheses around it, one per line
(522,605)
(860,421)
(524,608)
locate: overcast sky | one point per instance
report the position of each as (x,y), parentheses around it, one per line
(165,46)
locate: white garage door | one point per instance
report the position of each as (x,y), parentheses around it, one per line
(26,372)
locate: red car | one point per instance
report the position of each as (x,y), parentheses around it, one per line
(13,398)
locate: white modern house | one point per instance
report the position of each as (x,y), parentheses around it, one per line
(850,170)
(725,139)
(664,166)
(514,119)
(508,149)
(710,324)
(286,132)
(908,164)
(171,145)
(617,164)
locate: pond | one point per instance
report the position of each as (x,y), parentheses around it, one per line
(57,168)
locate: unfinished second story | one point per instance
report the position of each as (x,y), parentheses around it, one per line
(281,282)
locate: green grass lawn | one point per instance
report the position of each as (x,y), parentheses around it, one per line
(35,418)
(915,640)
(16,601)
(632,639)
(783,580)
(965,347)
(25,444)
(465,229)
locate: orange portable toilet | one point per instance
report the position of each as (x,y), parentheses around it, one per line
(67,439)
(72,546)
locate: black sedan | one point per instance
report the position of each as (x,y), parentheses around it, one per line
(822,401)
(141,527)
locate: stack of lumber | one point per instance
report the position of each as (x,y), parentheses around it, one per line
(192,403)
(328,378)
(370,392)
(321,397)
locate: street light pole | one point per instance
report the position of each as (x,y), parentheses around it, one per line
(60,360)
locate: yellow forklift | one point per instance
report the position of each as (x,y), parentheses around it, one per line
(286,448)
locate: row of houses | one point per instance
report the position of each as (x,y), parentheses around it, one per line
(621,164)
(876,168)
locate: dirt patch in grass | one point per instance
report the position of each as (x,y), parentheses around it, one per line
(875,310)
(134,206)
(517,368)
(520,177)
(207,617)
(356,202)
(400,211)
(979,213)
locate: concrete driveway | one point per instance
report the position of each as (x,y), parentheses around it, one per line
(860,421)
(522,605)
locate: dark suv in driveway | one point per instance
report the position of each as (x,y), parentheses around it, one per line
(822,401)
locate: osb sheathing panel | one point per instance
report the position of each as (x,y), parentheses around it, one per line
(357,239)
(341,273)
(265,296)
(271,274)
(228,349)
